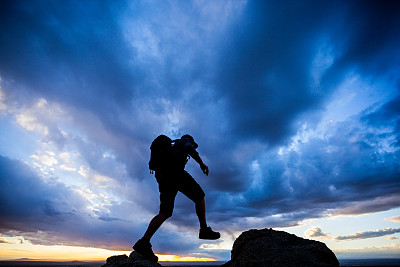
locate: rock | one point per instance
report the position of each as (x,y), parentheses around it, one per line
(140,261)
(270,248)
(118,261)
(134,260)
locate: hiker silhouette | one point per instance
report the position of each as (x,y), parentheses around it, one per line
(168,160)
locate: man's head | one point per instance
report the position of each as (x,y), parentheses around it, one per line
(191,139)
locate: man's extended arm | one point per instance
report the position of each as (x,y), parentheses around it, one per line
(195,155)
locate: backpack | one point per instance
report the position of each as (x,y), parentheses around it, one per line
(160,153)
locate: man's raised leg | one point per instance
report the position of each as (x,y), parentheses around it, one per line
(205,231)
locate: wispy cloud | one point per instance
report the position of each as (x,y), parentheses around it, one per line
(368,234)
(370,206)
(393,219)
(316,232)
(2,240)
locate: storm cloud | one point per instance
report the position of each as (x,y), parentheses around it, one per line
(294,105)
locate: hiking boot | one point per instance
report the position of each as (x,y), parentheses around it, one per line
(207,233)
(143,247)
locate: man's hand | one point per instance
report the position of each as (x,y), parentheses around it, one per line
(204,168)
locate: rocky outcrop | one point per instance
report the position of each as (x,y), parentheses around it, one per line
(270,248)
(134,260)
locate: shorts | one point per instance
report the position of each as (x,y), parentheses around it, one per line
(170,183)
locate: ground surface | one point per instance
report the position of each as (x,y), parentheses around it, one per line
(343,262)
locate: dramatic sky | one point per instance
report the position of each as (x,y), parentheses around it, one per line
(295,106)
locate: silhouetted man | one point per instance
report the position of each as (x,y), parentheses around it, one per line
(170,180)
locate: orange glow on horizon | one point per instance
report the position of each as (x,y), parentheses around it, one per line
(181,258)
(11,250)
